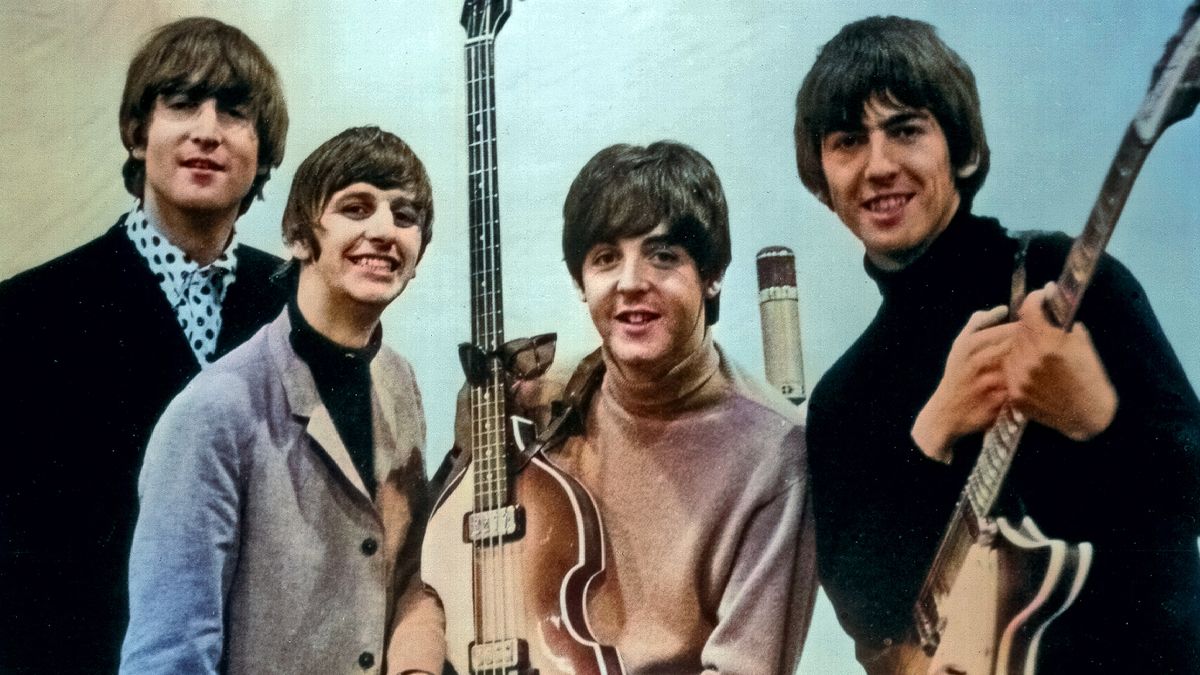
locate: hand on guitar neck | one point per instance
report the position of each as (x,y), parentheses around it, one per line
(972,388)
(1053,377)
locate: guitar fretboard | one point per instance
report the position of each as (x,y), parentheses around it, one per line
(489,437)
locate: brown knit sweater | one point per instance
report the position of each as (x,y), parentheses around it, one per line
(700,480)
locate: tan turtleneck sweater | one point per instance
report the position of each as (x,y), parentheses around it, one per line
(701,483)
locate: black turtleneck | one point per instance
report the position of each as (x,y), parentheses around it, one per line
(881,506)
(343,379)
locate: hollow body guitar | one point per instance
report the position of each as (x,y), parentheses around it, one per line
(513,544)
(994,587)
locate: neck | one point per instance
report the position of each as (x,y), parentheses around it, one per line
(673,388)
(202,235)
(345,322)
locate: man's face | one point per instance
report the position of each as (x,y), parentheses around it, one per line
(890,181)
(201,156)
(369,240)
(646,299)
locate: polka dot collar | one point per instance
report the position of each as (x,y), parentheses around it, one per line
(195,293)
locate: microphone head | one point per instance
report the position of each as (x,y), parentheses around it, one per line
(776,268)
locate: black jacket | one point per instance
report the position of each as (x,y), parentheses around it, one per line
(1133,491)
(90,355)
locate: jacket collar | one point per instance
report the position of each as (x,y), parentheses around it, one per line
(305,403)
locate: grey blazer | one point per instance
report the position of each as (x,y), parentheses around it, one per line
(258,549)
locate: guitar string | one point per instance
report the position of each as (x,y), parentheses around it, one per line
(493,221)
(491,296)
(509,621)
(481,444)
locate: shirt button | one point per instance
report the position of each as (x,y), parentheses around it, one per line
(366,660)
(369,546)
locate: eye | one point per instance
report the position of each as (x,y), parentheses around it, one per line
(665,256)
(356,209)
(405,217)
(602,257)
(236,111)
(179,101)
(907,132)
(844,140)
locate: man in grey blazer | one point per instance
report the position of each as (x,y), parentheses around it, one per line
(283,495)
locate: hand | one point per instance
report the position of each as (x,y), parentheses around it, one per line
(972,388)
(1056,377)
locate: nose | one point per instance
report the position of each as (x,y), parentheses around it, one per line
(881,162)
(632,276)
(380,224)
(206,126)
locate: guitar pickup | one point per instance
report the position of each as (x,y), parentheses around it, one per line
(503,524)
(502,656)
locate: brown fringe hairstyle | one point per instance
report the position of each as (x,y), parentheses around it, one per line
(203,58)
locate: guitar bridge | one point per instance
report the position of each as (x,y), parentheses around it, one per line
(495,525)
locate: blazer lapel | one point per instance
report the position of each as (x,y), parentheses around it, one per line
(320,428)
(305,402)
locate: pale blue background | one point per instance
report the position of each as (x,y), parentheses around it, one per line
(1059,82)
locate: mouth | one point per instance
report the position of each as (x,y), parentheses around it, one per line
(886,205)
(379,264)
(202,164)
(636,317)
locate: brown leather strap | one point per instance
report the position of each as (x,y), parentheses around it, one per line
(576,397)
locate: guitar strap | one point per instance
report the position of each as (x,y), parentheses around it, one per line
(568,421)
(1019,283)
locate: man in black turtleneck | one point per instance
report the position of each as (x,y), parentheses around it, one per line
(284,496)
(889,137)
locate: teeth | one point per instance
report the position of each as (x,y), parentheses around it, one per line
(884,204)
(636,318)
(375,264)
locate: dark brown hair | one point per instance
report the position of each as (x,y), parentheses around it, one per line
(628,190)
(900,61)
(357,155)
(203,58)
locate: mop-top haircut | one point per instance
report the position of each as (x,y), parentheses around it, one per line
(202,58)
(628,190)
(357,155)
(901,62)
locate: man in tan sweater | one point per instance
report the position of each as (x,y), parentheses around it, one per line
(698,470)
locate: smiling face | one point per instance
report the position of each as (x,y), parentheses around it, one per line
(201,156)
(368,241)
(646,298)
(891,182)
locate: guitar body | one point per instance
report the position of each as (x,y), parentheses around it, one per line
(1009,589)
(550,569)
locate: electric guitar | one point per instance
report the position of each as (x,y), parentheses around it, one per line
(513,543)
(994,586)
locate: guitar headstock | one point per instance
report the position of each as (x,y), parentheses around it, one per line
(1175,85)
(485,17)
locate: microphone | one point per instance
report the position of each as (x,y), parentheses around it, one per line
(779,309)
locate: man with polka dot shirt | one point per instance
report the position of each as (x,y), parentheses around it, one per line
(95,343)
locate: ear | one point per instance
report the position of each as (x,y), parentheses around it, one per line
(130,134)
(713,288)
(300,251)
(579,290)
(966,170)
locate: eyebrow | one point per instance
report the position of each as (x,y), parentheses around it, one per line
(892,120)
(904,117)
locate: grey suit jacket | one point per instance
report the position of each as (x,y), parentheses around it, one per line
(258,549)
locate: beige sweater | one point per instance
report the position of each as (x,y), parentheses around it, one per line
(701,484)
